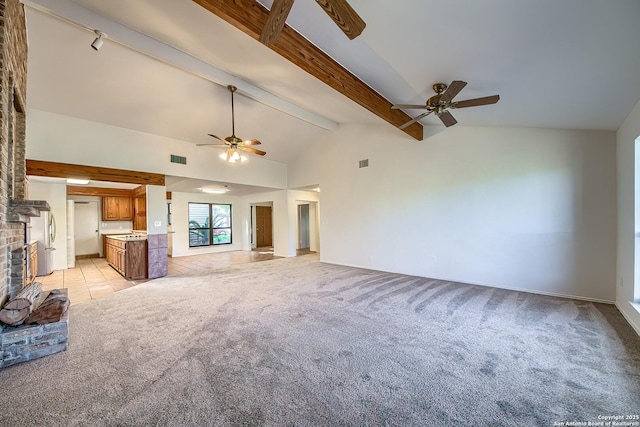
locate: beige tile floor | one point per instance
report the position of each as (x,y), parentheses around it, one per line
(90,279)
(93,278)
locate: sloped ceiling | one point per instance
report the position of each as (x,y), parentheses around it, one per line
(572,64)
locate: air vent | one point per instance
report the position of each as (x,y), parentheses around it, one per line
(178,159)
(364,163)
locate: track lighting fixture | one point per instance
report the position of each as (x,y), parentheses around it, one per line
(97,43)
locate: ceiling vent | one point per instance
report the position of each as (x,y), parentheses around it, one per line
(363,163)
(178,159)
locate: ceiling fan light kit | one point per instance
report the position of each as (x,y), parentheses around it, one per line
(442,101)
(234,146)
(231,155)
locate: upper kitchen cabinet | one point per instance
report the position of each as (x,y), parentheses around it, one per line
(117,208)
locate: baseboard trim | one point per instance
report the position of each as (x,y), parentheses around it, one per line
(529,291)
(87,256)
(550,294)
(626,317)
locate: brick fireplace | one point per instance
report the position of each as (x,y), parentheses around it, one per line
(24,342)
(14,210)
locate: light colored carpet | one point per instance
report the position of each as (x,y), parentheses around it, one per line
(297,342)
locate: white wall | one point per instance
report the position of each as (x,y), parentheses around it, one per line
(105,227)
(314,226)
(57,138)
(283,241)
(627,217)
(180,223)
(284,217)
(64,139)
(526,209)
(156,200)
(56,195)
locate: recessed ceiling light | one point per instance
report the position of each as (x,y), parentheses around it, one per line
(214,190)
(77,181)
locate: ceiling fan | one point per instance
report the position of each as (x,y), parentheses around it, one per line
(442,101)
(339,10)
(232,143)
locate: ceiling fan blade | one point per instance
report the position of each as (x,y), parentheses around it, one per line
(454,88)
(252,150)
(342,14)
(447,118)
(216,137)
(275,21)
(212,145)
(250,142)
(415,119)
(476,102)
(407,106)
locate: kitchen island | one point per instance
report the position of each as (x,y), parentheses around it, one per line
(127,254)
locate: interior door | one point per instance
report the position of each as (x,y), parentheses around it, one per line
(264,226)
(87,238)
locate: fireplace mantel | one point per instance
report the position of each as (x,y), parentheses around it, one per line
(22,210)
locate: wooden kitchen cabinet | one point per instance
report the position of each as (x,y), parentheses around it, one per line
(135,261)
(125,209)
(128,258)
(115,250)
(140,213)
(110,208)
(117,208)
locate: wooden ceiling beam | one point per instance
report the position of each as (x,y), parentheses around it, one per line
(251,17)
(93,173)
(98,191)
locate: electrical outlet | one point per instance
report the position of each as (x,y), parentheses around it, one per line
(622,282)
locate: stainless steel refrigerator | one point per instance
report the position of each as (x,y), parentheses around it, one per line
(43,229)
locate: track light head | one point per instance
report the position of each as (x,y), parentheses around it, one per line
(97,43)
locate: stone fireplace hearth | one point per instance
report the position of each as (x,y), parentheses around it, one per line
(27,342)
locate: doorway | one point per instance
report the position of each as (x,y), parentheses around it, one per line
(87,237)
(308,237)
(264,226)
(304,236)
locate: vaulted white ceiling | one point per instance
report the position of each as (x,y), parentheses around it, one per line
(571,64)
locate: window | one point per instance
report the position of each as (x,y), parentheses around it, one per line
(209,224)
